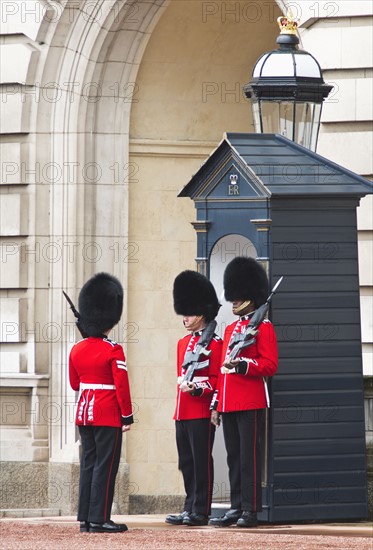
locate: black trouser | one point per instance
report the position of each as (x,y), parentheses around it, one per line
(101,449)
(242,436)
(195,439)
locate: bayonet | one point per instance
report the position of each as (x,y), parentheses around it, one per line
(76,314)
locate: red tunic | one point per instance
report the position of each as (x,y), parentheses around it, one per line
(98,369)
(240,392)
(190,407)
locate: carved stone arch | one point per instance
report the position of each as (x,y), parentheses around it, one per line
(82,125)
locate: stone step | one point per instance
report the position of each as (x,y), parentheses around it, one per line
(29,512)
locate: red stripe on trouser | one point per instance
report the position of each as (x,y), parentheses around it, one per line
(209,470)
(254,459)
(109,476)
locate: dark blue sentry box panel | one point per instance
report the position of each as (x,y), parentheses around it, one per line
(307,206)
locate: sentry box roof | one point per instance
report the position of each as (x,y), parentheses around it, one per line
(272,165)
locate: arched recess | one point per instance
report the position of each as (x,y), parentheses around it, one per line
(189,93)
(82,126)
(223,251)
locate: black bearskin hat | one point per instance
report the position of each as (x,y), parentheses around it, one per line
(100,304)
(194,294)
(245,279)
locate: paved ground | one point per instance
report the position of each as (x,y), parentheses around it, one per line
(149,532)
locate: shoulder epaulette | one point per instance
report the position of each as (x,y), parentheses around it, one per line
(111,342)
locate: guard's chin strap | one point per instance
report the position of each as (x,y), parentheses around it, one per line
(243,306)
(196,323)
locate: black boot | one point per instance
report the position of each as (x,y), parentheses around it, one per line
(107,527)
(84,527)
(248,519)
(177,519)
(230,518)
(195,519)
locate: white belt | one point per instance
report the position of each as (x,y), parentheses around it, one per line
(96,386)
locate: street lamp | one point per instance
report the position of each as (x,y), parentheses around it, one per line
(287,89)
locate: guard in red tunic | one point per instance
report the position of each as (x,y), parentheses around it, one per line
(242,397)
(198,364)
(97,369)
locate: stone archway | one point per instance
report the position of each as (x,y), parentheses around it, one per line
(101,49)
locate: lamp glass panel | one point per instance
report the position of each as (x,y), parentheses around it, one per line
(279,65)
(307,66)
(315,125)
(259,64)
(256,116)
(277,118)
(286,120)
(307,124)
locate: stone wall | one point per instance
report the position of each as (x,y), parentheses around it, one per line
(53,488)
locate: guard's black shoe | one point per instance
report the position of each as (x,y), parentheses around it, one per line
(176,519)
(196,519)
(107,527)
(230,518)
(84,527)
(248,519)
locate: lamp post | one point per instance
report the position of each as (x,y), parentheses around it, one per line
(287,89)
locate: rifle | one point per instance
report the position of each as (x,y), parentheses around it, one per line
(191,360)
(76,315)
(247,338)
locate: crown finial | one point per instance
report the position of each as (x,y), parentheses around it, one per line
(288,24)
